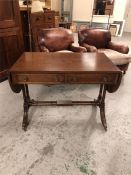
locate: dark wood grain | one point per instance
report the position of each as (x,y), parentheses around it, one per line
(57,68)
(41,20)
(11,41)
(64,62)
(63,68)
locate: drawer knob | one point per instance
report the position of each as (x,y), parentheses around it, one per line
(105,79)
(72,79)
(49,18)
(25,79)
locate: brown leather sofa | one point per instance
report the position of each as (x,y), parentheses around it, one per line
(99,40)
(57,39)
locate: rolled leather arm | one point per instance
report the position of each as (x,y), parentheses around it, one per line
(77,48)
(89,48)
(118,47)
(41,45)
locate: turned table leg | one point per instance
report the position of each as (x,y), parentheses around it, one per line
(101,104)
(26,98)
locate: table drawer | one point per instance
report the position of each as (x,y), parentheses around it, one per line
(64,78)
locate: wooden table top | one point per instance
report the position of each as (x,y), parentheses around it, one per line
(40,62)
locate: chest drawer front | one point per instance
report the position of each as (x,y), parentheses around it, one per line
(64,78)
(49,17)
(49,25)
(36,20)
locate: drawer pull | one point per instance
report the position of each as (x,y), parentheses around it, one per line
(105,79)
(60,78)
(37,19)
(71,79)
(49,18)
(25,79)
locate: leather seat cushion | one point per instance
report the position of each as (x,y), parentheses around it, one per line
(69,51)
(116,57)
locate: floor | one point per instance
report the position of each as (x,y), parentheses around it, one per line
(66,140)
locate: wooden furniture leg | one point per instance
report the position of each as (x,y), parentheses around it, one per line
(101,104)
(26,106)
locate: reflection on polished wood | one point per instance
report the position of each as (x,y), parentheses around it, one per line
(64,68)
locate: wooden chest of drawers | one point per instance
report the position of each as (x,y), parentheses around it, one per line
(38,20)
(41,20)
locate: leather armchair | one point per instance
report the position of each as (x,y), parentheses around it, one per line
(57,39)
(99,40)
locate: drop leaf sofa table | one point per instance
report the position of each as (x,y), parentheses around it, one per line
(64,68)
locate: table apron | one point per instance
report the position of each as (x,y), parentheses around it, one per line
(61,78)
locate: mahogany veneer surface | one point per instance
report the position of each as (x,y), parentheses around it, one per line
(56,68)
(63,62)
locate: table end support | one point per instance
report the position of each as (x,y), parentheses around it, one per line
(103,118)
(26,97)
(101,104)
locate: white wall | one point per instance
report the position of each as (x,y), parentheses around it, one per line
(67,5)
(55,5)
(82,10)
(119,9)
(127,27)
